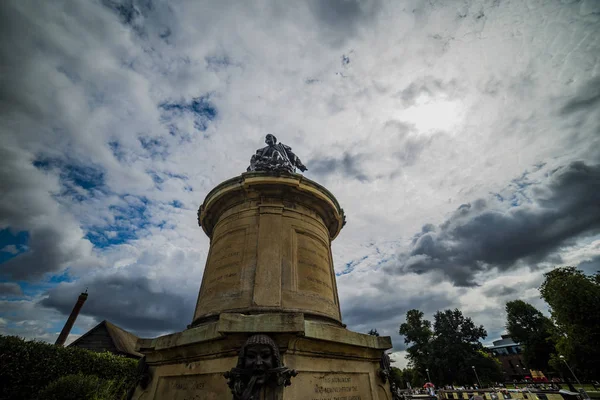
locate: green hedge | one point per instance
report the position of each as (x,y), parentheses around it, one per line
(28,367)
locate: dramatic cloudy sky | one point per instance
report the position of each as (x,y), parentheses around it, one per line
(462,139)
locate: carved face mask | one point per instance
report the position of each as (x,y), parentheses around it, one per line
(258,357)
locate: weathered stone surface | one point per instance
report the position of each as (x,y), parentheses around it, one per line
(233,323)
(333,385)
(270,247)
(188,387)
(269,272)
(316,330)
(327,368)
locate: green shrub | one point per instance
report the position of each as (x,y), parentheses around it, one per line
(72,387)
(82,387)
(27,367)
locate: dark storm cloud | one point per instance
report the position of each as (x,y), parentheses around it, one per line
(364,313)
(348,165)
(499,291)
(587,99)
(46,253)
(10,289)
(53,240)
(135,303)
(479,237)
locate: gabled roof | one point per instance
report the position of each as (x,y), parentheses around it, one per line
(124,341)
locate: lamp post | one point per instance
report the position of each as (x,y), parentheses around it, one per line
(476,376)
(574,376)
(572,373)
(428,377)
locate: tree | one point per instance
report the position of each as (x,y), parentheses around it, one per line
(450,350)
(574,300)
(397,378)
(534,331)
(373,332)
(410,376)
(456,349)
(417,332)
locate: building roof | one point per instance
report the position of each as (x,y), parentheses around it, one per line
(124,341)
(506,341)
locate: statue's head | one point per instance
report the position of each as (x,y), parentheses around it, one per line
(270,140)
(260,354)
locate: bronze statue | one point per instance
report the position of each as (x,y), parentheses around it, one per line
(259,365)
(275,157)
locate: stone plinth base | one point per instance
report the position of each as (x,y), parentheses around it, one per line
(332,362)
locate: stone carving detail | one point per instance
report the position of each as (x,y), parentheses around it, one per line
(143,377)
(275,157)
(385,367)
(259,365)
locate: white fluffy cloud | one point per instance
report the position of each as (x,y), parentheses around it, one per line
(119,116)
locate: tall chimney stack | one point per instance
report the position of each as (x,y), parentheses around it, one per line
(62,338)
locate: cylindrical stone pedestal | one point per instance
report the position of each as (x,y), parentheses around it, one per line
(270,248)
(269,272)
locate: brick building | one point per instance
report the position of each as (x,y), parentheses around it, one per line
(509,354)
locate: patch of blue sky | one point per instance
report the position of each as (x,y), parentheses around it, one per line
(218,62)
(201,108)
(126,11)
(78,181)
(65,276)
(31,289)
(177,204)
(155,146)
(128,222)
(350,266)
(498,197)
(176,176)
(12,243)
(117,149)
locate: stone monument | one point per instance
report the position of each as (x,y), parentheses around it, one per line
(267,323)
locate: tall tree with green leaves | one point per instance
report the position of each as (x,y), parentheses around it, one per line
(456,348)
(417,334)
(534,331)
(574,300)
(450,350)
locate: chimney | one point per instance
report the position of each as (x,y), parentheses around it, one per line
(62,338)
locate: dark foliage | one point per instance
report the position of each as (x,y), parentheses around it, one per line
(27,367)
(574,300)
(529,327)
(450,350)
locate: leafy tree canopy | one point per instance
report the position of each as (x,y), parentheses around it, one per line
(574,300)
(534,331)
(450,350)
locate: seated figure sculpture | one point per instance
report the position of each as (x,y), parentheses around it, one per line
(275,157)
